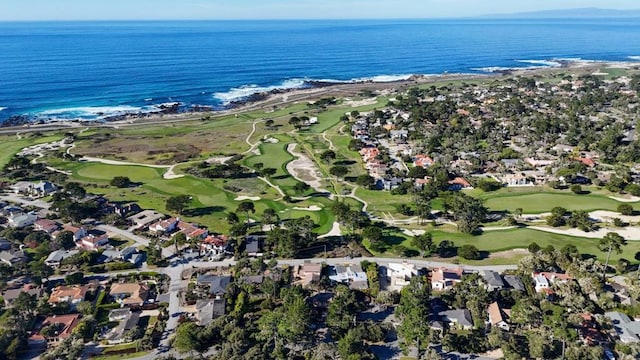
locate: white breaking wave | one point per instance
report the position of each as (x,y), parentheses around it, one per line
(634,57)
(543,63)
(3,108)
(90,112)
(244,92)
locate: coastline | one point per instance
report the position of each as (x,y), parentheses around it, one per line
(313,90)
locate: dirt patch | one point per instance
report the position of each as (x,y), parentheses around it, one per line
(509,254)
(302,168)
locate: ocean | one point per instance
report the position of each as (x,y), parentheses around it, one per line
(89,70)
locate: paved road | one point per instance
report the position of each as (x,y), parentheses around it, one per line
(22,201)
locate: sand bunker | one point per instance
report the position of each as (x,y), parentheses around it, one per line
(243,198)
(625,199)
(310,208)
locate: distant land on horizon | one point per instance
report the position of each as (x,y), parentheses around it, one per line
(568,13)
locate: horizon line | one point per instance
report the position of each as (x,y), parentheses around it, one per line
(475,17)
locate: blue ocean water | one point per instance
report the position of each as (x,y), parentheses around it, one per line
(65,70)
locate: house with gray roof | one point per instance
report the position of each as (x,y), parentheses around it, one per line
(207,310)
(217,284)
(627,329)
(457,318)
(513,282)
(493,280)
(120,333)
(55,258)
(12,258)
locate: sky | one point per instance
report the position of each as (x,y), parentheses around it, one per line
(21,10)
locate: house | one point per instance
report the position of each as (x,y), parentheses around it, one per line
(119,314)
(164,226)
(399,275)
(11,295)
(493,279)
(93,242)
(12,258)
(217,285)
(497,316)
(46,225)
(369,153)
(544,280)
(589,332)
(207,310)
(627,329)
(253,246)
(55,258)
(214,244)
(129,294)
(64,324)
(422,161)
(191,231)
(516,180)
(457,318)
(19,221)
(120,333)
(310,272)
(144,218)
(513,282)
(458,184)
(44,188)
(587,161)
(78,232)
(123,210)
(351,274)
(399,134)
(538,163)
(68,294)
(444,279)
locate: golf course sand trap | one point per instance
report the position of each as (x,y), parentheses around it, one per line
(310,208)
(363,102)
(625,199)
(303,169)
(335,231)
(243,198)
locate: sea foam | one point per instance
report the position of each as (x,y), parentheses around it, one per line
(3,108)
(243,92)
(89,112)
(637,58)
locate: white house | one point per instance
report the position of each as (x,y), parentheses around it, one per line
(19,221)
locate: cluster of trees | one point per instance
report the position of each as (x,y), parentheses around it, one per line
(231,170)
(577,219)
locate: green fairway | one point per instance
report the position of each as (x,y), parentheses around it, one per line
(539,201)
(496,241)
(11,145)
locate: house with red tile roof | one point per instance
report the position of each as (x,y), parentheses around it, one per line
(369,153)
(423,161)
(498,316)
(444,279)
(459,183)
(215,244)
(68,294)
(46,225)
(587,161)
(64,325)
(93,242)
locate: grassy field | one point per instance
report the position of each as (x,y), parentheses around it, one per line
(11,145)
(498,241)
(538,200)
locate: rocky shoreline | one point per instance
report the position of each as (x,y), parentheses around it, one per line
(312,89)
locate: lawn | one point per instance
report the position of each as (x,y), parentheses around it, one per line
(11,145)
(496,241)
(539,200)
(275,155)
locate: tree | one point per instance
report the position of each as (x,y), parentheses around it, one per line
(366,181)
(268,172)
(488,184)
(424,244)
(338,171)
(413,312)
(534,248)
(74,189)
(625,209)
(178,203)
(342,311)
(328,156)
(187,338)
(85,307)
(446,249)
(468,212)
(372,233)
(66,240)
(270,217)
(75,278)
(469,252)
(576,189)
(611,242)
(246,207)
(120,182)
(232,218)
(301,187)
